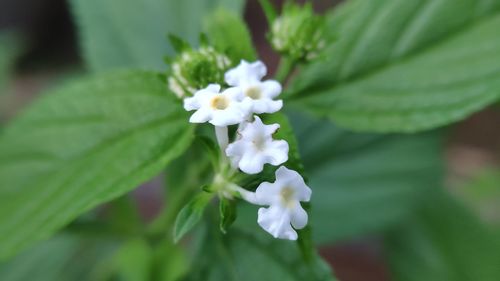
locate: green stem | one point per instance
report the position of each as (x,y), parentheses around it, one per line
(269,11)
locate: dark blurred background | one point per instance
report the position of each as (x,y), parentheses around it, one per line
(49,52)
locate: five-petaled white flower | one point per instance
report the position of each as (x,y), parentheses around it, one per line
(220,109)
(255,147)
(283,198)
(247,76)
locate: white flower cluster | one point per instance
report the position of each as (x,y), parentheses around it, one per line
(254,145)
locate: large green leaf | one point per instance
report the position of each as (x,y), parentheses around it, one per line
(130,33)
(242,256)
(363,183)
(405,66)
(85,144)
(443,242)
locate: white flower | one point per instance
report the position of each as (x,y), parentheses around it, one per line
(248,77)
(256,147)
(283,198)
(220,109)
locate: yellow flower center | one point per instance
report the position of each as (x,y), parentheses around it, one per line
(219,102)
(253,93)
(287,194)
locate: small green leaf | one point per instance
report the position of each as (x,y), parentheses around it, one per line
(230,35)
(405,66)
(190,215)
(443,242)
(227,210)
(82,145)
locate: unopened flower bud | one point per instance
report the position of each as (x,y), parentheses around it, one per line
(192,70)
(299,33)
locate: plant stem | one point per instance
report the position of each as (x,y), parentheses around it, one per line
(269,11)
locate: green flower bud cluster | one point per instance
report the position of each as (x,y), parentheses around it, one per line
(194,69)
(298,33)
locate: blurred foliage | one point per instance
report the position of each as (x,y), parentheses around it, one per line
(130,33)
(482,193)
(63,257)
(405,66)
(443,242)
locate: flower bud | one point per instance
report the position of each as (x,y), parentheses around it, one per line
(193,69)
(298,33)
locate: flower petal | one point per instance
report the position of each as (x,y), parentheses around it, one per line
(268,194)
(252,162)
(202,115)
(298,217)
(245,73)
(271,88)
(287,177)
(276,221)
(192,103)
(230,116)
(265,105)
(278,150)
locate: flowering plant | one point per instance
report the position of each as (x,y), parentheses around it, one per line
(252,164)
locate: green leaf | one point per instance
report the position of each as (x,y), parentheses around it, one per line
(230,35)
(244,257)
(64,257)
(227,211)
(364,183)
(129,33)
(83,145)
(406,66)
(443,242)
(190,215)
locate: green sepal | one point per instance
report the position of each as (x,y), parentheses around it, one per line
(178,43)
